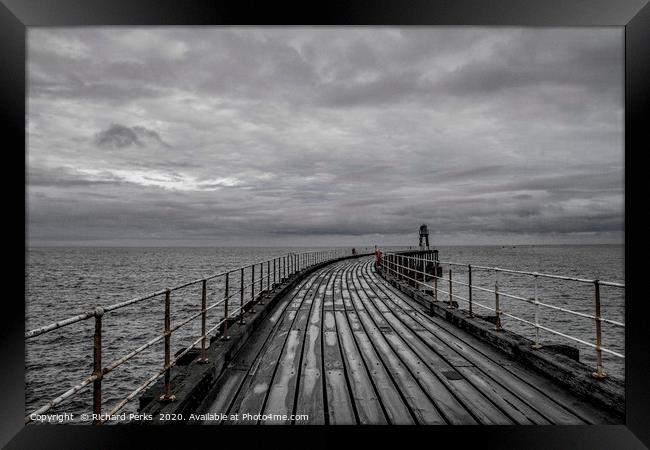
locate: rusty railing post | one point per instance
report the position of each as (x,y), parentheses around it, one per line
(97,366)
(225,308)
(252,281)
(469,268)
(536,344)
(451,287)
(290,258)
(252,310)
(241,297)
(260,300)
(204,294)
(274,272)
(599,374)
(497,310)
(167,393)
(398,267)
(268,276)
(435,287)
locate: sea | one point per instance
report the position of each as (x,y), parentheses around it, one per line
(65,281)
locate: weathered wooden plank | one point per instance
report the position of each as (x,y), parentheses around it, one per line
(515,408)
(310,386)
(396,409)
(368,334)
(472,399)
(328,296)
(368,406)
(522,413)
(393,404)
(419,402)
(340,409)
(260,378)
(254,391)
(282,395)
(453,410)
(235,375)
(500,370)
(337,294)
(551,402)
(227,387)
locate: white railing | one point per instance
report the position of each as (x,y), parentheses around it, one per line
(424,269)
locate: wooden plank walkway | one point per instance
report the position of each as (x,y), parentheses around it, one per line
(345,347)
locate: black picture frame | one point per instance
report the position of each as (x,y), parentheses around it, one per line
(634,15)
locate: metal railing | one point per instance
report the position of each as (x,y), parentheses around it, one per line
(424,269)
(271,274)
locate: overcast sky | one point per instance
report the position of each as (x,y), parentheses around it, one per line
(324,136)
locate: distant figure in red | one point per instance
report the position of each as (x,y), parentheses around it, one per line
(377,257)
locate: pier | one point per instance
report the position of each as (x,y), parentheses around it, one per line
(334,337)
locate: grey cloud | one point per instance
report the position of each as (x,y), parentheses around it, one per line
(324,135)
(120,136)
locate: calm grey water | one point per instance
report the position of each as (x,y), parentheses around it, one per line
(61,282)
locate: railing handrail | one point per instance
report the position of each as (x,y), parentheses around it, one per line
(288,265)
(523,272)
(89,314)
(393,262)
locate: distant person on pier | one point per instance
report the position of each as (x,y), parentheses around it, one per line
(377,257)
(354,251)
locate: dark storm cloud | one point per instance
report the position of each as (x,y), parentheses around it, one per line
(120,136)
(324,135)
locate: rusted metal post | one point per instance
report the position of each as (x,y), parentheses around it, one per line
(469,283)
(497,310)
(97,365)
(268,276)
(451,287)
(399,269)
(435,287)
(252,288)
(252,281)
(436,262)
(260,300)
(536,344)
(167,393)
(204,290)
(225,308)
(599,374)
(241,297)
(274,271)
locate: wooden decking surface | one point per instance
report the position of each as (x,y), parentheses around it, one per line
(345,347)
